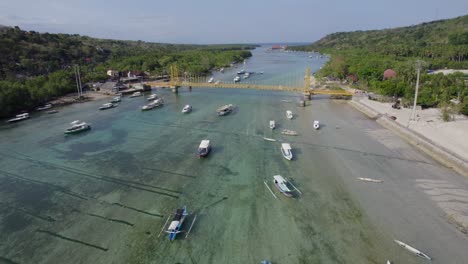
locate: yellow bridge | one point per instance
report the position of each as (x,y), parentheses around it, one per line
(178,81)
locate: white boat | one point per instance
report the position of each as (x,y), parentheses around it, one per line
(218,82)
(237,79)
(241,72)
(116,99)
(52,112)
(288,132)
(269,139)
(204,148)
(246,75)
(289,114)
(152,97)
(211,80)
(107,106)
(369,180)
(187,109)
(153,104)
(272,124)
(18,118)
(136,94)
(316,124)
(77,127)
(221,70)
(412,249)
(286,151)
(282,186)
(261,72)
(44,107)
(225,109)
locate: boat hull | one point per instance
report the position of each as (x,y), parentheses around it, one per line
(69,132)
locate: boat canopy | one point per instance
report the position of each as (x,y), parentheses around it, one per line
(281,182)
(173,225)
(285,146)
(205,143)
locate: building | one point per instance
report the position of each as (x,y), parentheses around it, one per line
(389,74)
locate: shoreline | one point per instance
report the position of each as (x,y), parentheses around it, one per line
(434,137)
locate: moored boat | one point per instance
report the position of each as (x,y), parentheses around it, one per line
(246,75)
(316,124)
(237,79)
(217,82)
(187,109)
(177,222)
(52,112)
(152,97)
(269,139)
(107,106)
(369,180)
(44,107)
(282,186)
(116,99)
(225,109)
(289,114)
(152,104)
(221,70)
(265,262)
(204,148)
(288,132)
(211,80)
(286,151)
(241,72)
(272,124)
(136,94)
(18,118)
(412,249)
(77,127)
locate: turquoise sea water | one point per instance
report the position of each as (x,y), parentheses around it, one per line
(103,196)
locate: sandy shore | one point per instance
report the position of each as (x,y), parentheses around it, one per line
(428,123)
(72,98)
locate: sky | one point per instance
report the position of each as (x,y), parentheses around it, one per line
(221,21)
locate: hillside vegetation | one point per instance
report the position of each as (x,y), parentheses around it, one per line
(36,67)
(361,57)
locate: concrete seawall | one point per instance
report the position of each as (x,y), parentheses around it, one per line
(437,152)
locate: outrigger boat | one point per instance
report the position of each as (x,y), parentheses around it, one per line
(44,107)
(272,124)
(107,106)
(289,114)
(77,127)
(369,180)
(18,118)
(288,132)
(225,109)
(282,186)
(412,249)
(286,151)
(153,104)
(136,94)
(116,99)
(175,226)
(152,97)
(187,109)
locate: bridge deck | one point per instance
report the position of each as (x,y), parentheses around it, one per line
(252,86)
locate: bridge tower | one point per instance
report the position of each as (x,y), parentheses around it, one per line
(174,78)
(307,95)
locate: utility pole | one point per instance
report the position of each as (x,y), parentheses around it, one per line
(76,79)
(412,117)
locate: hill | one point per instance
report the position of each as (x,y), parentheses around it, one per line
(36,67)
(361,57)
